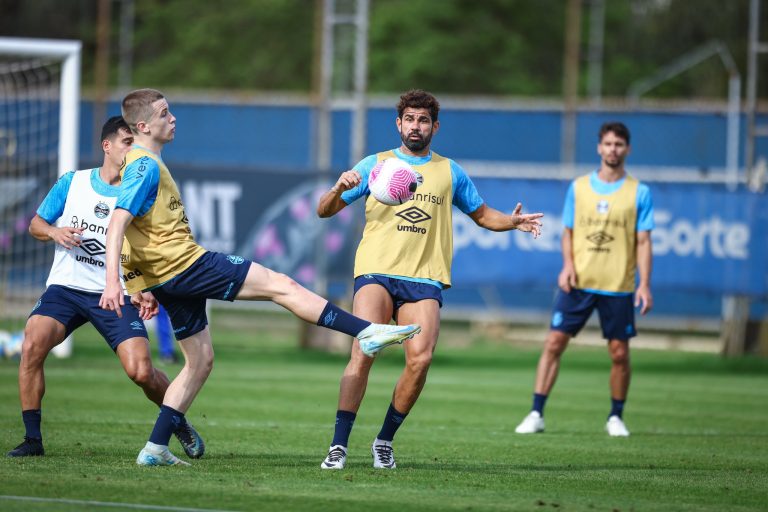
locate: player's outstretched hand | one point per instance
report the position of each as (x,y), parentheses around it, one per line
(528,222)
(348,180)
(112,298)
(146,303)
(643,299)
(66,236)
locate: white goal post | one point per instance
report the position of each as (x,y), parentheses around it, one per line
(65,53)
(69,107)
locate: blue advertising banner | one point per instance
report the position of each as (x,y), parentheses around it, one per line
(708,242)
(706,239)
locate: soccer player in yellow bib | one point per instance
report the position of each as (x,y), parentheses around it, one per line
(608,217)
(403,263)
(164,259)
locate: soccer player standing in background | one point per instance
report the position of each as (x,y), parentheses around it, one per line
(182,275)
(608,217)
(81,204)
(401,273)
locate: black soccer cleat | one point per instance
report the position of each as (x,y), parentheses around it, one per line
(29,448)
(190,440)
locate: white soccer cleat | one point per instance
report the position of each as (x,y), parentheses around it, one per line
(383,456)
(336,458)
(158,455)
(616,428)
(531,424)
(378,336)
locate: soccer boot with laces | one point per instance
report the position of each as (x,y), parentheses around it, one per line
(336,458)
(29,448)
(383,455)
(190,440)
(531,424)
(157,455)
(616,428)
(378,336)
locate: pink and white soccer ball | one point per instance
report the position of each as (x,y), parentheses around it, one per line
(393,181)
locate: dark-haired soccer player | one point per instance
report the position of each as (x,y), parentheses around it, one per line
(181,275)
(81,204)
(401,273)
(608,217)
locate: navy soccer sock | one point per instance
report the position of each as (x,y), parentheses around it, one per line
(333,317)
(169,420)
(539,401)
(344,422)
(32,419)
(617,407)
(392,422)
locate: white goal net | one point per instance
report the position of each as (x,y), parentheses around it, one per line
(39,103)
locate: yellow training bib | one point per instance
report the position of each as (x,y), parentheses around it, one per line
(604,236)
(414,239)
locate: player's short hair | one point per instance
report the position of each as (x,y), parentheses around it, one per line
(113,125)
(137,106)
(618,129)
(416,98)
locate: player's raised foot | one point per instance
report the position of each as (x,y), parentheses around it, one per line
(616,428)
(29,448)
(190,440)
(378,336)
(158,455)
(383,455)
(531,424)
(336,458)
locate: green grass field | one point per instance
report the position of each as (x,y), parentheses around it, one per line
(699,434)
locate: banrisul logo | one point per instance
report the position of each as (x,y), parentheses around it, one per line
(101,210)
(235,260)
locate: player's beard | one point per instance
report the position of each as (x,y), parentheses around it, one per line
(416,145)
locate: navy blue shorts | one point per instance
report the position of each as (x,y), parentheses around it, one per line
(400,290)
(616,313)
(74,308)
(213,276)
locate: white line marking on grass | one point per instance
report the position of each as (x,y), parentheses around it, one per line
(110,504)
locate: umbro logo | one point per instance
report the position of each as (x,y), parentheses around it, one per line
(137,326)
(329,319)
(93,247)
(413,215)
(600,238)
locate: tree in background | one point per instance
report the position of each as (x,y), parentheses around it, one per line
(462,47)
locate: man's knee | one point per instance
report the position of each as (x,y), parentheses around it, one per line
(35,347)
(201,365)
(619,353)
(141,373)
(556,343)
(282,284)
(419,363)
(359,363)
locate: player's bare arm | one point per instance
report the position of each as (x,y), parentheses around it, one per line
(67,237)
(331,202)
(643,296)
(494,220)
(567,279)
(112,298)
